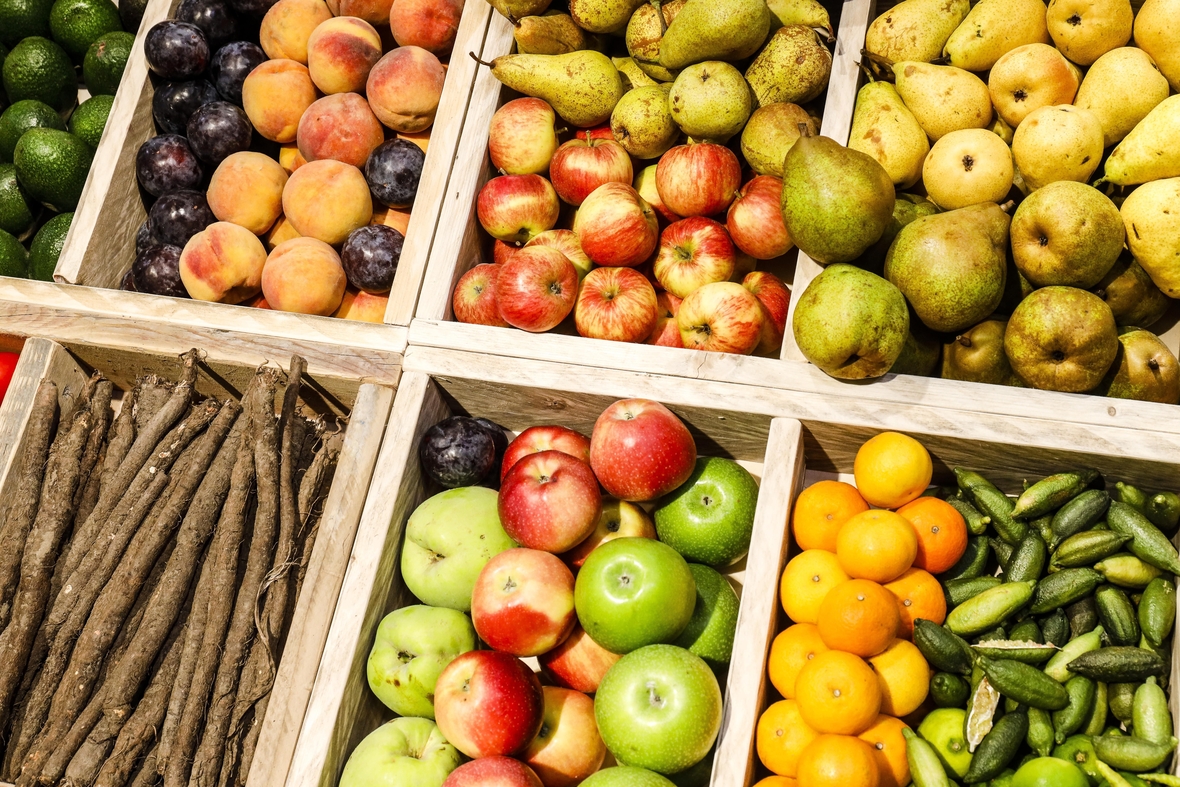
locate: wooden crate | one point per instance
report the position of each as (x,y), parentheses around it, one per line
(101,243)
(225,374)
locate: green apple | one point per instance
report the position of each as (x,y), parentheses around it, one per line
(632,592)
(659,708)
(623,776)
(710,517)
(710,630)
(413,646)
(449,539)
(405,752)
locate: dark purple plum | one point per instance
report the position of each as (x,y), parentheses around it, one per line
(370,257)
(218,130)
(214,17)
(393,171)
(231,65)
(175,102)
(459,451)
(157,272)
(178,216)
(251,7)
(176,50)
(143,237)
(167,163)
(128,282)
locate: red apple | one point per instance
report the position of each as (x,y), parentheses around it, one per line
(536,439)
(616,304)
(698,180)
(776,300)
(536,289)
(640,450)
(755,219)
(522,139)
(517,207)
(549,501)
(488,703)
(616,227)
(667,332)
(502,252)
(523,602)
(723,316)
(598,132)
(619,519)
(568,244)
(568,748)
(475,297)
(742,264)
(693,252)
(493,772)
(580,166)
(645,184)
(648,269)
(579,663)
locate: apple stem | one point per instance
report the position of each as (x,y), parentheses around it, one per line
(475,57)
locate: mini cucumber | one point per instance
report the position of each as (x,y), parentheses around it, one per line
(1055,628)
(1121,697)
(976,522)
(1126,571)
(1131,753)
(1051,493)
(1064,588)
(992,503)
(1058,666)
(1079,514)
(1157,611)
(989,608)
(998,748)
(1117,615)
(1147,542)
(1119,664)
(1097,721)
(948,690)
(1024,683)
(1074,716)
(1028,559)
(1163,509)
(972,564)
(943,650)
(1087,548)
(925,768)
(959,591)
(1131,495)
(1082,615)
(1150,717)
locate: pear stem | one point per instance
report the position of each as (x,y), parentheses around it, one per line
(805,130)
(1007,206)
(475,57)
(882,66)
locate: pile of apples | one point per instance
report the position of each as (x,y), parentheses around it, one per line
(629,651)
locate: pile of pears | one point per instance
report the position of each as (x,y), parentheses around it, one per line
(1007,209)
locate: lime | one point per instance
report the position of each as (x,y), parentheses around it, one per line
(40,69)
(52,166)
(1049,772)
(90,118)
(19,118)
(17,209)
(13,257)
(76,24)
(1079,750)
(943,729)
(46,246)
(104,63)
(23,18)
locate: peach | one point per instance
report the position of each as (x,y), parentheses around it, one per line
(363,306)
(282,231)
(290,158)
(398,218)
(327,200)
(304,276)
(342,127)
(275,96)
(419,138)
(288,25)
(340,53)
(247,190)
(375,12)
(430,24)
(404,88)
(222,263)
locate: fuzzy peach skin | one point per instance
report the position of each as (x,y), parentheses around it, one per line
(275,96)
(375,12)
(362,306)
(340,53)
(419,138)
(290,159)
(342,127)
(430,24)
(404,89)
(327,200)
(281,231)
(304,276)
(288,25)
(398,218)
(222,263)
(247,190)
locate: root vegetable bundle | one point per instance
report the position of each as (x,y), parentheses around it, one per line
(149,567)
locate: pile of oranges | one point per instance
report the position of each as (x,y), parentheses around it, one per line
(847,669)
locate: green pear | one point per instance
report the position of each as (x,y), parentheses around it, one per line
(1066,233)
(642,123)
(793,67)
(907,209)
(582,87)
(836,202)
(1061,339)
(885,129)
(799,12)
(644,33)
(992,29)
(603,16)
(977,355)
(519,9)
(1131,295)
(1144,369)
(1104,91)
(633,75)
(920,353)
(915,29)
(1150,151)
(1151,215)
(1155,34)
(943,98)
(850,323)
(710,101)
(715,30)
(1085,30)
(551,33)
(951,266)
(769,134)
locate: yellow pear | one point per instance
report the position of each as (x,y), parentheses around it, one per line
(915,29)
(1057,143)
(799,12)
(883,128)
(994,28)
(1155,34)
(967,167)
(1151,215)
(1002,130)
(1030,77)
(1150,151)
(943,98)
(1085,30)
(1104,91)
